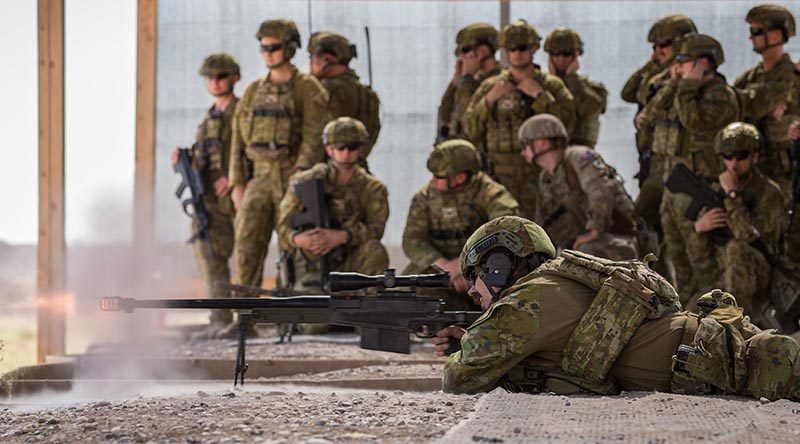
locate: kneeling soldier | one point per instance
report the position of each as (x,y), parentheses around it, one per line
(456,201)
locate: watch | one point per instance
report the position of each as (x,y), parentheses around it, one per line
(732,194)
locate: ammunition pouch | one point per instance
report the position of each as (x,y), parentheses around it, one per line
(667,137)
(628,292)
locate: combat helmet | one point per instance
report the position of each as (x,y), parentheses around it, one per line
(563,40)
(542,126)
(476,34)
(737,136)
(519,33)
(217,64)
(344,131)
(452,157)
(331,43)
(671,28)
(285,30)
(694,46)
(518,236)
(771,17)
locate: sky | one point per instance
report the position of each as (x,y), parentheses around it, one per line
(100,78)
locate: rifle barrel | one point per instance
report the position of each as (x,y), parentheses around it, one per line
(130,304)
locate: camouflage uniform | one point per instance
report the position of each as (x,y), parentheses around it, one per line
(494,131)
(640,88)
(686,116)
(439,222)
(539,336)
(458,93)
(583,193)
(278,127)
(590,97)
(762,92)
(361,207)
(753,212)
(348,96)
(210,154)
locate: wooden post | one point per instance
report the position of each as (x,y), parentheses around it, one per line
(51,248)
(144,176)
(505,18)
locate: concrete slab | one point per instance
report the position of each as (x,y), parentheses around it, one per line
(633,417)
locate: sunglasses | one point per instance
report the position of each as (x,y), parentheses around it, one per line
(758,31)
(348,146)
(220,76)
(662,44)
(562,53)
(272,48)
(519,48)
(466,49)
(738,155)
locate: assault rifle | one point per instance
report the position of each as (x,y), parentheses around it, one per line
(317,215)
(682,180)
(191,179)
(385,321)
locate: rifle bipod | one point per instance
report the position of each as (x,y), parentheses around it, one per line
(241,365)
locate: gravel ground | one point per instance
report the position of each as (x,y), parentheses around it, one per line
(252,415)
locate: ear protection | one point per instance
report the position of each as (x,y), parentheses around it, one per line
(498,269)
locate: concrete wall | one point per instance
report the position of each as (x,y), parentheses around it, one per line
(412,59)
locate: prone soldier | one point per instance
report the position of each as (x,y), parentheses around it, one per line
(581,324)
(564,47)
(330,58)
(358,205)
(686,115)
(278,126)
(210,156)
(582,202)
(503,102)
(476,45)
(458,199)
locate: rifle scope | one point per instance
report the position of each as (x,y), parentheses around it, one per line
(358,281)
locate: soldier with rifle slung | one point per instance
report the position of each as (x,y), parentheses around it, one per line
(740,225)
(209,159)
(330,58)
(356,203)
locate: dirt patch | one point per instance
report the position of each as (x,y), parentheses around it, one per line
(264,415)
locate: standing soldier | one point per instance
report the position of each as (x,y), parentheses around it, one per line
(504,101)
(358,206)
(640,88)
(564,47)
(458,199)
(771,97)
(686,115)
(330,57)
(278,126)
(210,156)
(476,45)
(582,202)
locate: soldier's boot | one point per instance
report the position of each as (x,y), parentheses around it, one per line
(219,320)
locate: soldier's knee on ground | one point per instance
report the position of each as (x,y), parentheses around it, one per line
(773,367)
(370,258)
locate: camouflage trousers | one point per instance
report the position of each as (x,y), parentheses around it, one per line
(695,266)
(369,258)
(519,178)
(732,357)
(612,246)
(648,201)
(212,256)
(745,274)
(256,218)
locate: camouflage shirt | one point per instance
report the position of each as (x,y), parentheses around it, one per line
(495,130)
(361,207)
(582,194)
(351,98)
(761,92)
(635,89)
(212,148)
(590,102)
(439,223)
(455,101)
(279,123)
